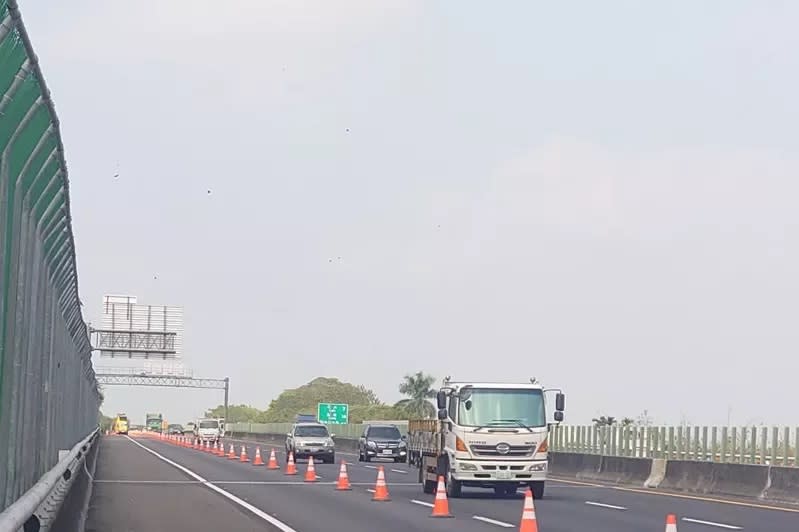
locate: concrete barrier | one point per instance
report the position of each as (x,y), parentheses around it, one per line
(657,474)
(609,469)
(576,465)
(738,480)
(783,485)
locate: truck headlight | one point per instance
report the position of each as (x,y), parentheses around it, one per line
(465,466)
(371,445)
(539,467)
(329,443)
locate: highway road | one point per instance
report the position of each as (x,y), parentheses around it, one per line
(148,484)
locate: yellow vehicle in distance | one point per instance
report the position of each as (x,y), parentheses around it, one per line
(121,424)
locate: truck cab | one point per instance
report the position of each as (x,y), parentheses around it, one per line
(488,435)
(207,430)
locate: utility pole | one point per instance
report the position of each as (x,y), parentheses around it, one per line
(227,389)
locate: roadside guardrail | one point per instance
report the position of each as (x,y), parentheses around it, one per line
(38,507)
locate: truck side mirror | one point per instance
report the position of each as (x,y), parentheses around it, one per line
(441,399)
(558,416)
(442,414)
(560,402)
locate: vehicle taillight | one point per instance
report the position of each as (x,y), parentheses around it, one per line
(460,446)
(544,447)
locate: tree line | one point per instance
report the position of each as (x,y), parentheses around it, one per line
(363,403)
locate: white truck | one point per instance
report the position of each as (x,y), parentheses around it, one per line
(207,430)
(488,435)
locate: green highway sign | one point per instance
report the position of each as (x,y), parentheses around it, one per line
(335,413)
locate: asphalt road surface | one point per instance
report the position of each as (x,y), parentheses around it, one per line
(145,484)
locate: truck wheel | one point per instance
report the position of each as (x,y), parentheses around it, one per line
(537,489)
(454,487)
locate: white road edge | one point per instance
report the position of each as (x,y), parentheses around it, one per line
(244,504)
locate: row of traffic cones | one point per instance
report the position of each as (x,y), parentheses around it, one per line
(528,522)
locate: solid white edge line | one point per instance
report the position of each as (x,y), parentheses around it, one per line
(244,504)
(602,505)
(492,521)
(711,523)
(422,503)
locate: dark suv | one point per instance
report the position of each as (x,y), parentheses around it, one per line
(382,441)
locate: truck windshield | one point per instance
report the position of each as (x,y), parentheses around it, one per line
(312,432)
(502,407)
(212,424)
(384,433)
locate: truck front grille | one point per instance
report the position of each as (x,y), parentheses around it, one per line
(516,451)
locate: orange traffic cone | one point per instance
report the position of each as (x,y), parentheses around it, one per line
(291,467)
(310,472)
(272,461)
(343,483)
(243,457)
(258,460)
(381,490)
(529,523)
(205,446)
(441,504)
(231,455)
(671,523)
(220,449)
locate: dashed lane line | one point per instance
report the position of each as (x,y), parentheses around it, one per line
(490,521)
(400,471)
(742,504)
(711,523)
(422,503)
(603,505)
(244,504)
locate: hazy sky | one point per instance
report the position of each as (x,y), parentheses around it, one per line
(599,194)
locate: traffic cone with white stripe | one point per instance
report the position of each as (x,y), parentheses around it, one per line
(244,457)
(441,504)
(671,523)
(310,472)
(258,460)
(272,461)
(343,483)
(381,489)
(291,467)
(529,522)
(231,455)
(220,449)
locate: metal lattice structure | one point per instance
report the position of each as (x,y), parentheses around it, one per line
(172,381)
(159,378)
(134,342)
(133,330)
(49,398)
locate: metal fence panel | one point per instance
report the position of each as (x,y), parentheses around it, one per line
(49,398)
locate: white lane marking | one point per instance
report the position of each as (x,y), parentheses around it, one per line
(422,503)
(601,505)
(370,490)
(711,523)
(246,482)
(370,467)
(492,521)
(400,471)
(244,504)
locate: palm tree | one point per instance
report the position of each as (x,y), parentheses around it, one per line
(419,391)
(604,421)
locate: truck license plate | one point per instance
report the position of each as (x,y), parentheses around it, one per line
(387,451)
(503,475)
